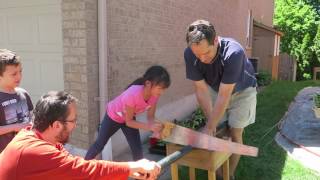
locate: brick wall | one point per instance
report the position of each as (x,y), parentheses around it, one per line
(81,65)
(142,33)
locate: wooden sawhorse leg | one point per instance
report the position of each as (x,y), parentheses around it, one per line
(211,175)
(192,173)
(225,169)
(174,171)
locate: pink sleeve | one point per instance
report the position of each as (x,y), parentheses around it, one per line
(154,100)
(128,98)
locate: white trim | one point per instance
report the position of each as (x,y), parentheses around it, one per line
(103,59)
(275,52)
(278,45)
(249,29)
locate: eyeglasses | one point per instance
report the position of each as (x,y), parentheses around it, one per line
(74,121)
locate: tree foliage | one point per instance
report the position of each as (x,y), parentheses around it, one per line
(298,21)
(315,4)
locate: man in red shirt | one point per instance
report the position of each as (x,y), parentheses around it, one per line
(37,153)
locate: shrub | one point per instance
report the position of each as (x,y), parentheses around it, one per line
(195,122)
(316,99)
(263,78)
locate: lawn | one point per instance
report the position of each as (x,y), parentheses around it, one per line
(273,163)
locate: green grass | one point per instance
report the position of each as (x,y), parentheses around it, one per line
(272,162)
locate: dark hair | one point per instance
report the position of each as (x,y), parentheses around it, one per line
(51,107)
(7,57)
(157,75)
(199,30)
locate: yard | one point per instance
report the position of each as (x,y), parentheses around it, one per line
(273,163)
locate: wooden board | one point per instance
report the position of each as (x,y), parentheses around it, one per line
(183,136)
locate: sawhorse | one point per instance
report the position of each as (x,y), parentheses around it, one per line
(201,159)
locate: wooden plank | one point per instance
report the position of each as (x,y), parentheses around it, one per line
(275,67)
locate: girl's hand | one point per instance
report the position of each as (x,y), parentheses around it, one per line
(156,128)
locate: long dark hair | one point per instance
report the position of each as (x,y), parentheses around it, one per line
(157,75)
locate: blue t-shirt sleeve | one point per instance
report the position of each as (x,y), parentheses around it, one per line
(192,71)
(233,65)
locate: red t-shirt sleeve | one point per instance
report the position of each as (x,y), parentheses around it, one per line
(45,160)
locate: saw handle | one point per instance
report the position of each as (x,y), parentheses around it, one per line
(174,156)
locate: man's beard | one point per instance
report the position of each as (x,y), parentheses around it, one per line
(63,136)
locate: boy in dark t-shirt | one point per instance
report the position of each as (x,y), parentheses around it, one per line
(224,80)
(15,103)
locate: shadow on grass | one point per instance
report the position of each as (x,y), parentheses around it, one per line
(272,103)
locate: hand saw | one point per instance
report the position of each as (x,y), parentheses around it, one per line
(180,135)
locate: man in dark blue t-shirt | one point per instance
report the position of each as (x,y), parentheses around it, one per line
(224,80)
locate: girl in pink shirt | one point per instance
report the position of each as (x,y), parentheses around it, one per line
(140,96)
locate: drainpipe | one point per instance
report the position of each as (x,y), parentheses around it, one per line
(103,59)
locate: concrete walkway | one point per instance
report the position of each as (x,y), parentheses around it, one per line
(300,125)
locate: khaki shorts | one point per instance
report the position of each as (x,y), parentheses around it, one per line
(241,111)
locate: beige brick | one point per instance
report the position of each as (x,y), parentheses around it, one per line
(74,77)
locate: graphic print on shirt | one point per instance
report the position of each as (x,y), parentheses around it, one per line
(15,111)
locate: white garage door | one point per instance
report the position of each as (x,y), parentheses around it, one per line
(32,28)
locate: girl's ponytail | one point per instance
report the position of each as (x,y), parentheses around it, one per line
(139,81)
(157,75)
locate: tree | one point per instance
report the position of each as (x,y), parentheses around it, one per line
(298,21)
(316,47)
(315,4)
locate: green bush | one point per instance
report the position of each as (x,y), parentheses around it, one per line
(263,78)
(316,99)
(197,120)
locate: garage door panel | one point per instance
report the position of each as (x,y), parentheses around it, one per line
(49,32)
(22,3)
(30,74)
(2,31)
(33,29)
(20,29)
(52,71)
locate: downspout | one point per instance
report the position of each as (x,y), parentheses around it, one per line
(103,59)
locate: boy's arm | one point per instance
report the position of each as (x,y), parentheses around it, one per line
(12,128)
